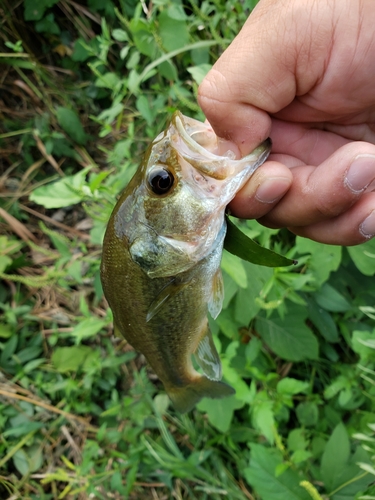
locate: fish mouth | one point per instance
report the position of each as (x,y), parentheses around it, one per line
(196,142)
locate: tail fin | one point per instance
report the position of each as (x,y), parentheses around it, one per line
(185,398)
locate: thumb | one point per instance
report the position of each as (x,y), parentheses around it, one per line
(258,73)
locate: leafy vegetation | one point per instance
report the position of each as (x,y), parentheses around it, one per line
(84,88)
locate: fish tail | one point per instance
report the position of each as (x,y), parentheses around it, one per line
(186,397)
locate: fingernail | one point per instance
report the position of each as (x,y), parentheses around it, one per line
(361,173)
(367,228)
(272,189)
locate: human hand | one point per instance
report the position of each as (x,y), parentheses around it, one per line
(303,73)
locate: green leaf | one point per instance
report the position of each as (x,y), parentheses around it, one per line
(176,11)
(234,267)
(28,460)
(87,328)
(261,476)
(290,339)
(263,417)
(67,359)
(335,457)
(62,193)
(363,257)
(297,439)
(220,411)
(35,9)
(120,35)
(70,123)
(324,258)
(199,72)
(307,413)
(331,300)
(173,33)
(47,25)
(291,386)
(146,110)
(237,243)
(6,331)
(246,306)
(322,320)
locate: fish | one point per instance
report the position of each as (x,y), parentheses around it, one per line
(162,248)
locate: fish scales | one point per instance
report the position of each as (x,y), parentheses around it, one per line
(161,256)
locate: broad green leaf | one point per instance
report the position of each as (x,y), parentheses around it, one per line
(28,460)
(289,338)
(143,38)
(120,35)
(108,80)
(353,478)
(176,11)
(220,411)
(62,193)
(322,320)
(231,375)
(84,49)
(297,439)
(307,413)
(237,243)
(234,267)
(70,123)
(6,331)
(67,359)
(199,72)
(291,386)
(173,33)
(262,416)
(363,257)
(245,304)
(230,287)
(35,9)
(261,476)
(144,107)
(330,299)
(335,457)
(48,25)
(324,258)
(300,456)
(87,328)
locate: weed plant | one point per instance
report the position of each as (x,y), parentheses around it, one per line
(84,88)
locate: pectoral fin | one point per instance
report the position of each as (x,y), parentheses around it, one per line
(207,356)
(167,293)
(216,301)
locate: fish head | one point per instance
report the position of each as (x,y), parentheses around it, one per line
(172,212)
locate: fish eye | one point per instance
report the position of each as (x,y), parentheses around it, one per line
(160,180)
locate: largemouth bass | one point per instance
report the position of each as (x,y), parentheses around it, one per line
(161,255)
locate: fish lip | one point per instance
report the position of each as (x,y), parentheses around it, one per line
(178,121)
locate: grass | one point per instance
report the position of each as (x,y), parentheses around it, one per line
(84,88)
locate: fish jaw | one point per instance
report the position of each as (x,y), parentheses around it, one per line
(202,155)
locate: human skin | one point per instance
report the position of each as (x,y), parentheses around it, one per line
(303,73)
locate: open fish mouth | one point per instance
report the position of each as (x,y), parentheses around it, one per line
(197,143)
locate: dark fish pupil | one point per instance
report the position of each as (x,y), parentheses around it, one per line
(161,181)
